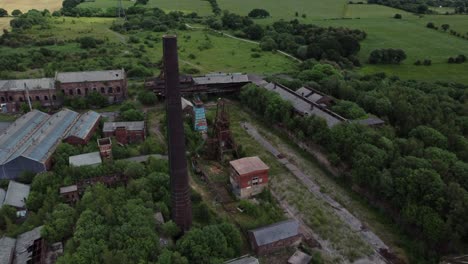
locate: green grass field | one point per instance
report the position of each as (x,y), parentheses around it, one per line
(313,9)
(187,6)
(220,53)
(225,54)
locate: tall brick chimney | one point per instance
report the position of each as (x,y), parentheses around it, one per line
(180,191)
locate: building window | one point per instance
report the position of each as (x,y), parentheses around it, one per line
(78,91)
(46,98)
(70,92)
(63,91)
(3,99)
(94,89)
(255,181)
(37,98)
(54,97)
(86,91)
(110,90)
(103,90)
(118,89)
(10,98)
(21,99)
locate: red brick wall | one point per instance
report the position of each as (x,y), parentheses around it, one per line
(243,180)
(127,136)
(268,248)
(114,90)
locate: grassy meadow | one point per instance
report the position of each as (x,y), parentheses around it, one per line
(409,33)
(186,6)
(204,51)
(25,5)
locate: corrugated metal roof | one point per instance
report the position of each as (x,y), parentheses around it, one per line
(135,126)
(23,243)
(4,126)
(17,194)
(218,78)
(7,249)
(44,141)
(32,84)
(303,105)
(248,165)
(17,133)
(90,76)
(93,158)
(275,232)
(84,124)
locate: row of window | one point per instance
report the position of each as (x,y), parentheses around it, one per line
(10,98)
(110,90)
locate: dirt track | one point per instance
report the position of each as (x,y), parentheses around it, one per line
(346,217)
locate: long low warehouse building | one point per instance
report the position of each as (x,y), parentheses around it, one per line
(28,143)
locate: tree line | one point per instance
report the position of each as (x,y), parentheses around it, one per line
(302,40)
(414,168)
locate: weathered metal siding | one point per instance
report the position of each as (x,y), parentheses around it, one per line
(180,191)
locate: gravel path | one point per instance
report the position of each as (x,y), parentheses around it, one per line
(354,223)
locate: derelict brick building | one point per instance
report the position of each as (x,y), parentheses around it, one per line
(47,91)
(274,237)
(125,132)
(248,176)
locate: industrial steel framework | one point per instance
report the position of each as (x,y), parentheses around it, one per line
(180,191)
(221,141)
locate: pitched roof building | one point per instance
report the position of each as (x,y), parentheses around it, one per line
(16,194)
(7,250)
(248,177)
(305,106)
(87,159)
(81,132)
(28,143)
(273,237)
(125,132)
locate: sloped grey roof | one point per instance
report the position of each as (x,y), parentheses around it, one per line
(218,78)
(90,76)
(243,260)
(93,158)
(371,121)
(23,242)
(135,126)
(31,84)
(84,124)
(67,189)
(303,105)
(4,126)
(7,249)
(275,232)
(17,194)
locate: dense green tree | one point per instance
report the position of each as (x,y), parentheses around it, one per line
(258,13)
(3,12)
(59,224)
(16,12)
